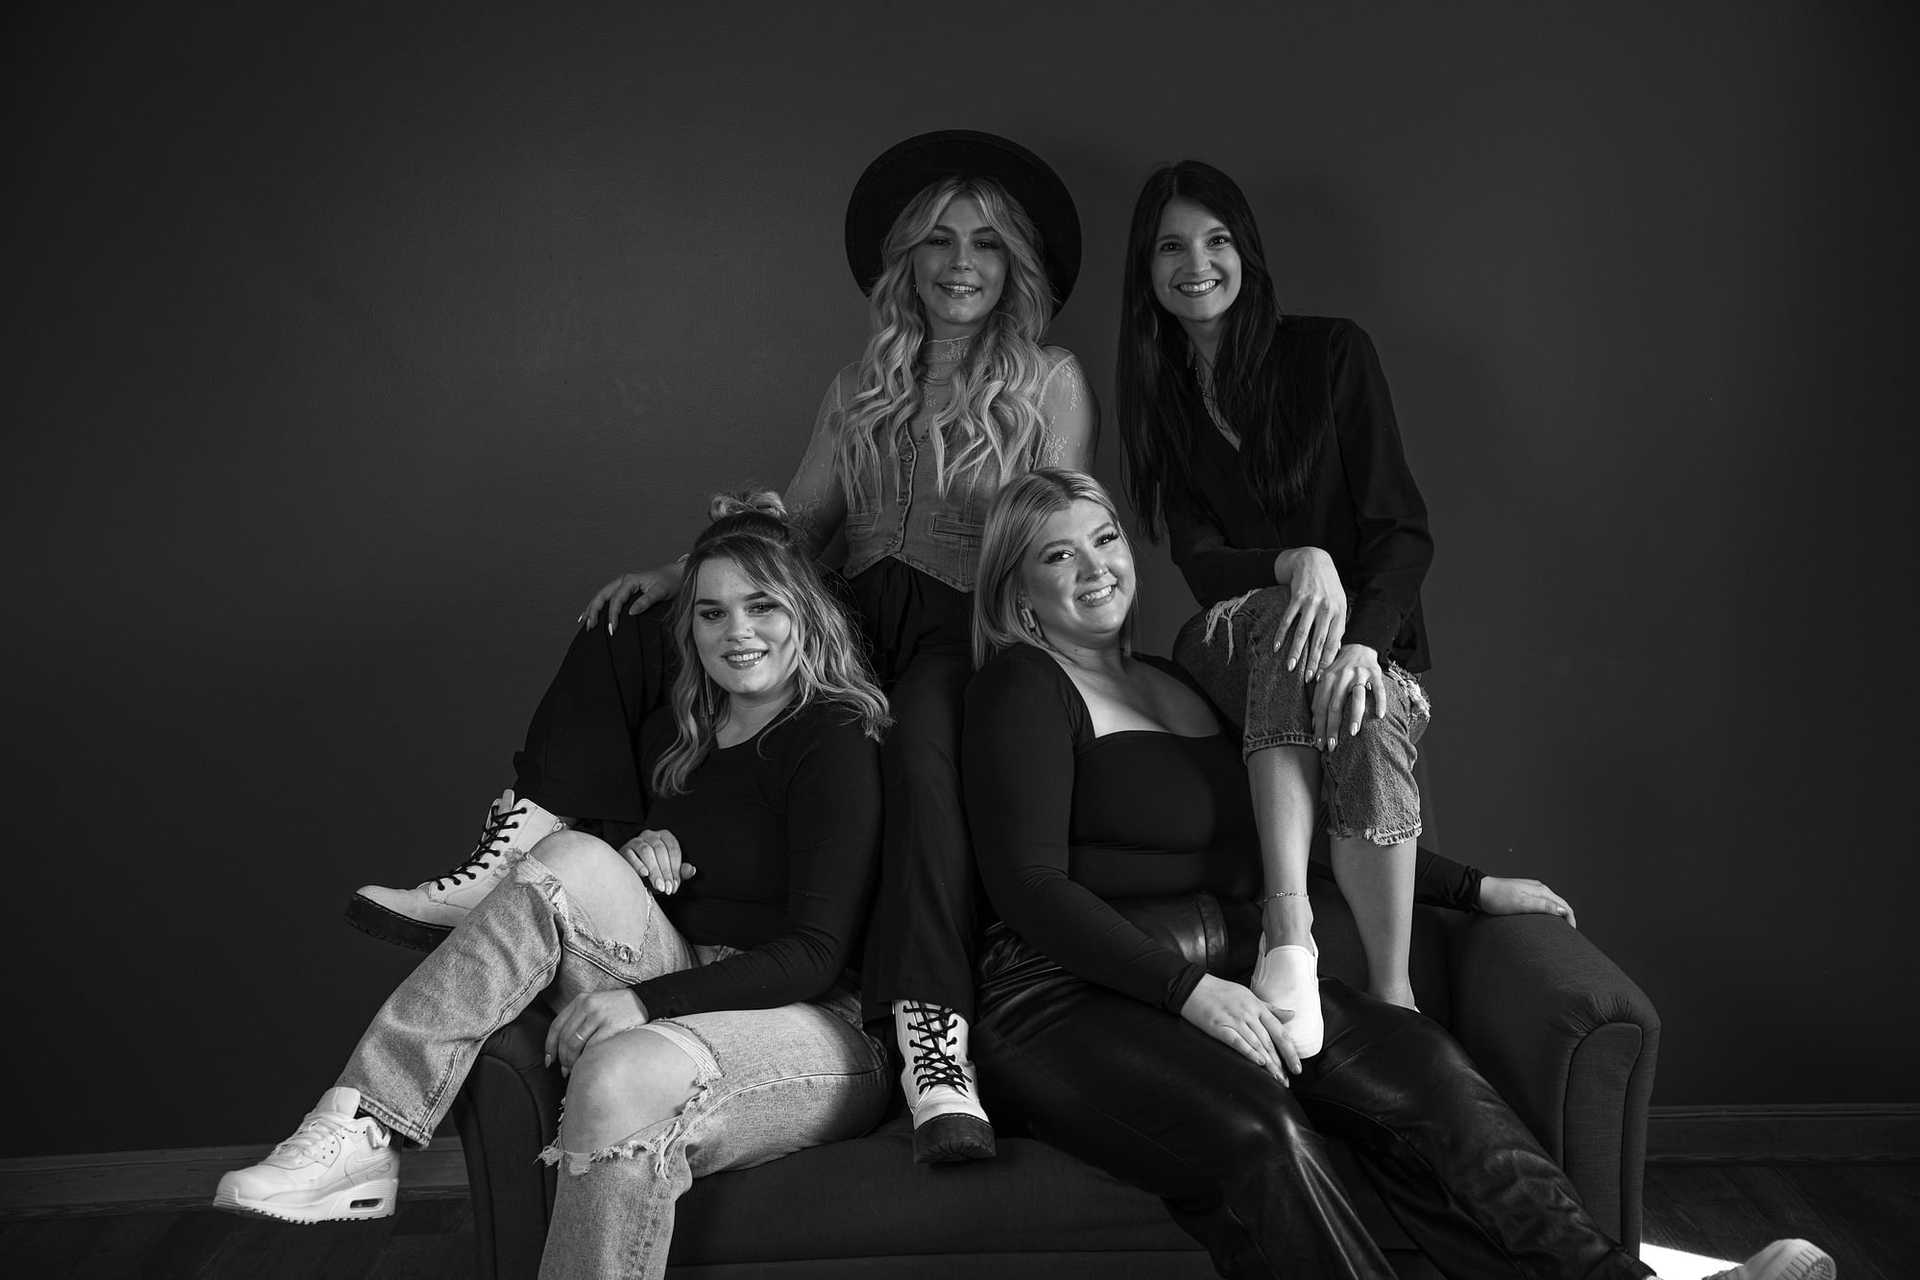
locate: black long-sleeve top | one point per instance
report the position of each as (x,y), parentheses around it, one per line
(1361,505)
(1063,823)
(784,830)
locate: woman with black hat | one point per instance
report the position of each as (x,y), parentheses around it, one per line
(965,244)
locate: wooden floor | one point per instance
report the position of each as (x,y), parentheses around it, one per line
(1866,1215)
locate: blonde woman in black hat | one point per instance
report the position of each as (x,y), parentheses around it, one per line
(966,244)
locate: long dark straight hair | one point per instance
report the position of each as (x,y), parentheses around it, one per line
(1281,427)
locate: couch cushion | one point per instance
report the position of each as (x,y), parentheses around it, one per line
(867,1198)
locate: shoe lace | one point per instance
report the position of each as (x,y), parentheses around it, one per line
(499,823)
(312,1137)
(933,1061)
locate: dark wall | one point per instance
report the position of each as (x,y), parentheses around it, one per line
(349,353)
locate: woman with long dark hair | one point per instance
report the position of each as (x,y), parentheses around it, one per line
(1265,446)
(707,1020)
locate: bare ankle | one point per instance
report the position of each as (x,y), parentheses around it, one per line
(1288,920)
(1397,994)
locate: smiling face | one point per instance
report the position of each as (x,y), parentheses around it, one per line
(959,270)
(1077,577)
(1194,266)
(745,637)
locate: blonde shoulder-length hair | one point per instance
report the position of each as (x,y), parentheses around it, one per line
(752,531)
(993,416)
(1013,523)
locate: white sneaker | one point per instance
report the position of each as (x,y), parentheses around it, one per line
(421,916)
(1783,1260)
(335,1166)
(942,1090)
(1288,975)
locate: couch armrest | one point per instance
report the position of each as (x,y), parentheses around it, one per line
(507,1113)
(1571,1042)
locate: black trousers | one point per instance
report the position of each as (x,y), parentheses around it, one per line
(581,760)
(582,753)
(921,934)
(1242,1161)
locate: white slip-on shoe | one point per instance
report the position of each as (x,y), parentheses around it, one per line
(336,1166)
(1288,976)
(421,916)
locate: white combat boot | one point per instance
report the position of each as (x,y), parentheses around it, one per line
(421,916)
(943,1094)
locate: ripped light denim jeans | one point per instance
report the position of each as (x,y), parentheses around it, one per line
(767,1081)
(1367,788)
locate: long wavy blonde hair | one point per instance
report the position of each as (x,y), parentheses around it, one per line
(752,531)
(993,415)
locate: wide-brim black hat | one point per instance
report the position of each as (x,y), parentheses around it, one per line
(906,168)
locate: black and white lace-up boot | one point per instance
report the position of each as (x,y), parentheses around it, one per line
(949,1123)
(421,916)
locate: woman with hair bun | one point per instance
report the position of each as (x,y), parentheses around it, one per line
(965,244)
(708,1020)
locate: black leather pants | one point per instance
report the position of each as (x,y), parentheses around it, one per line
(1242,1161)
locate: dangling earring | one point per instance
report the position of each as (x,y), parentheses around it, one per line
(1028,621)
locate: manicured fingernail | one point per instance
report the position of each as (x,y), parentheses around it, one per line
(548,1061)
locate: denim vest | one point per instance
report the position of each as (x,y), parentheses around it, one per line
(907,517)
(910,520)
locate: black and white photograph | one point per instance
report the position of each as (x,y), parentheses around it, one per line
(1029,640)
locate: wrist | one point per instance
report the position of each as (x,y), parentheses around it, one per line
(1481,892)
(1284,565)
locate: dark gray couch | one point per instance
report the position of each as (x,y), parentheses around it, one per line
(1551,1021)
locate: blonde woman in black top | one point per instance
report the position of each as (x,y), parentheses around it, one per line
(1118,1015)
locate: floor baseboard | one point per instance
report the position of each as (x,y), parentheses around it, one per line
(183,1177)
(1825,1133)
(179,1177)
